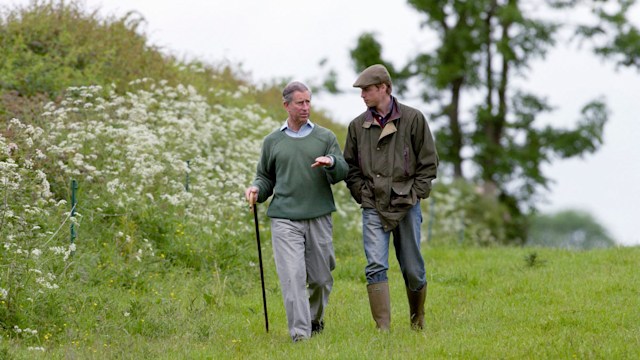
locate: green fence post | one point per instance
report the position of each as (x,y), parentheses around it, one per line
(74,203)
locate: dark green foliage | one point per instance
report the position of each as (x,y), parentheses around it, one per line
(614,36)
(533,260)
(51,45)
(368,51)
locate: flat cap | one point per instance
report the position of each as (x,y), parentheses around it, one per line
(373,75)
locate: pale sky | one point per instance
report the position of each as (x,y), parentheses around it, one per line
(287,39)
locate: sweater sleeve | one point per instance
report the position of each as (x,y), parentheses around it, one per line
(339,170)
(265,173)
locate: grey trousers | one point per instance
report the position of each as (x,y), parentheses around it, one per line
(304,256)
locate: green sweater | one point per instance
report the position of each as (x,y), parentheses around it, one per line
(284,171)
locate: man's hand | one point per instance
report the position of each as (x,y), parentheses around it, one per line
(251,194)
(323,161)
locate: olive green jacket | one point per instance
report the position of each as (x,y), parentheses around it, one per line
(390,168)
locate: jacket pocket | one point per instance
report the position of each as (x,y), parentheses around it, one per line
(366,195)
(402,194)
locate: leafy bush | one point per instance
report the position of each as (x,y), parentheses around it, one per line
(51,45)
(131,156)
(134,153)
(32,254)
(460,214)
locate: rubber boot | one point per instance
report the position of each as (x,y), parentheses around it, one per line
(416,307)
(380,304)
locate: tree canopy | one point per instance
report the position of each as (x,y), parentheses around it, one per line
(483,47)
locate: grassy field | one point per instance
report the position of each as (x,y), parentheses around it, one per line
(499,303)
(164,265)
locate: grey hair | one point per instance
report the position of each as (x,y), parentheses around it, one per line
(287,93)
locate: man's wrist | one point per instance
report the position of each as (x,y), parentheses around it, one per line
(333,161)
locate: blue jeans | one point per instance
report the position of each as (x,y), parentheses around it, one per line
(406,240)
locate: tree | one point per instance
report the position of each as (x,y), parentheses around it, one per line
(483,47)
(614,35)
(570,229)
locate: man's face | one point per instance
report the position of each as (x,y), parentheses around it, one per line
(299,107)
(374,94)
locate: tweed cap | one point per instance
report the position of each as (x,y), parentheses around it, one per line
(373,75)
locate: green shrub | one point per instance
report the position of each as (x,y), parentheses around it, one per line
(460,214)
(51,45)
(33,255)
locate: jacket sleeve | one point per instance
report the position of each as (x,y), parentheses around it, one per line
(354,177)
(426,156)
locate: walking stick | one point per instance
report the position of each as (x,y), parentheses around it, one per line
(264,297)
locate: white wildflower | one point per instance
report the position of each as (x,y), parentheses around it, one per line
(113,186)
(28,164)
(43,282)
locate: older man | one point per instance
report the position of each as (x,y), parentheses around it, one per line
(299,163)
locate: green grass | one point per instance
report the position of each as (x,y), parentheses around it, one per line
(482,303)
(162,274)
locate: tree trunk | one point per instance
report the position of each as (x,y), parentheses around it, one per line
(454,124)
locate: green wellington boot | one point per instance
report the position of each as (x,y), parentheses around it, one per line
(416,307)
(380,304)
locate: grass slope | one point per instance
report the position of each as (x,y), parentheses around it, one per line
(500,303)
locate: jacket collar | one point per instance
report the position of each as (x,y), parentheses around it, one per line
(395,115)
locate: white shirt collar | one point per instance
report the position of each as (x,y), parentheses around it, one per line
(286,125)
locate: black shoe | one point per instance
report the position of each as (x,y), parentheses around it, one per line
(298,338)
(317,327)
